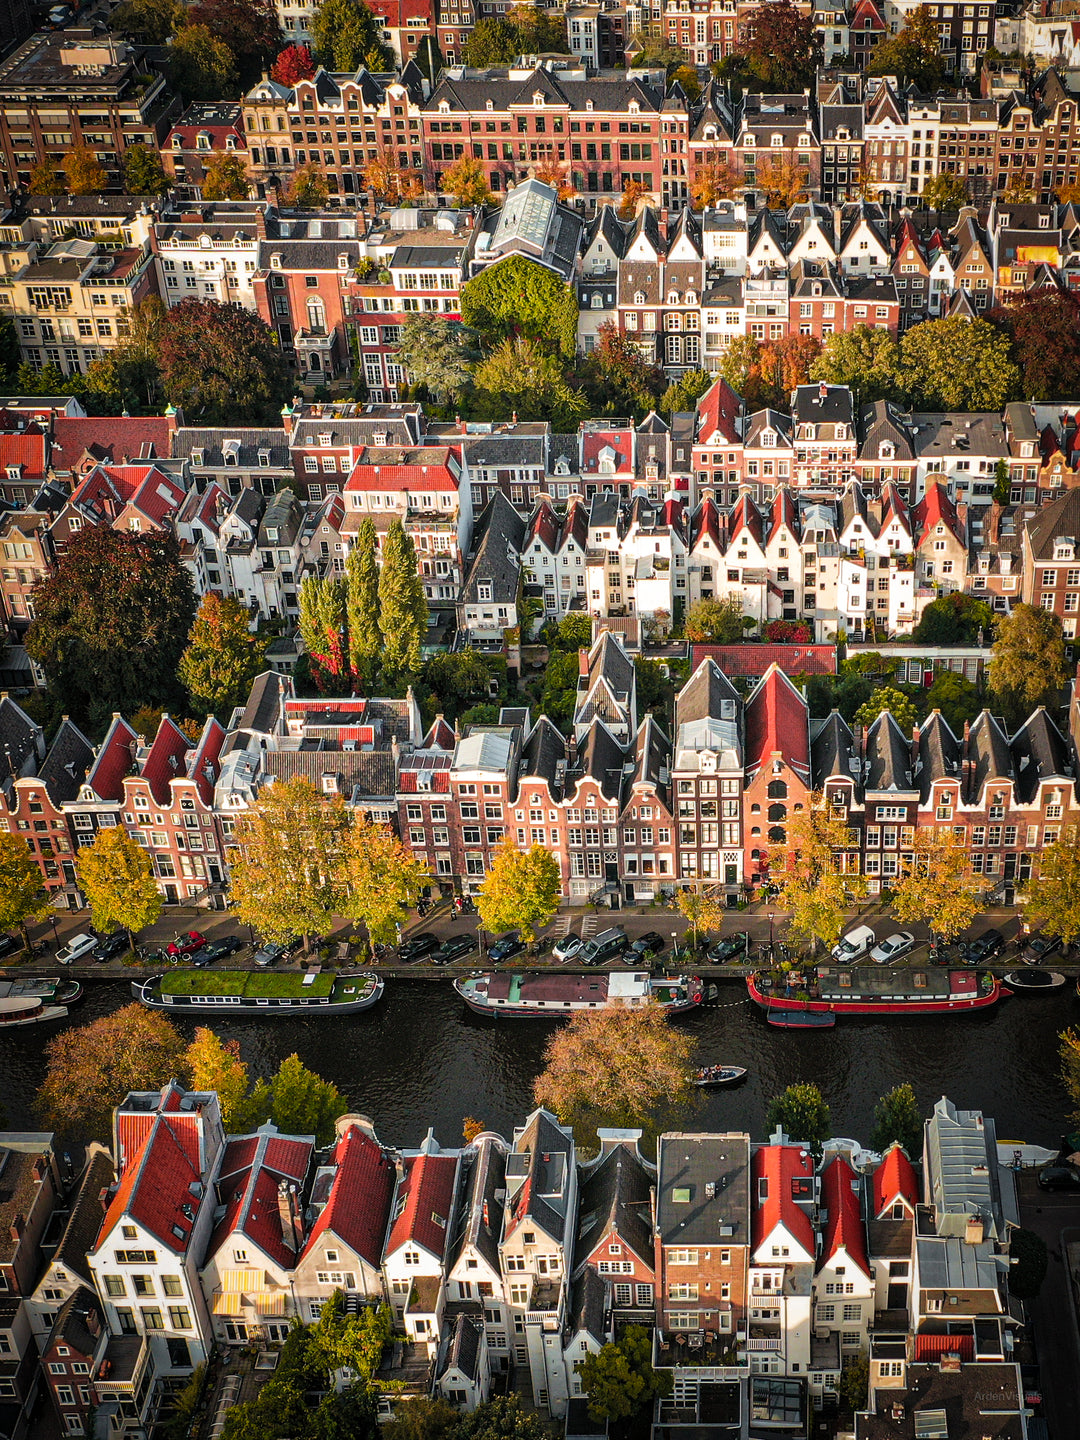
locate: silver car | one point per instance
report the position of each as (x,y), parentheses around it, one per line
(893,947)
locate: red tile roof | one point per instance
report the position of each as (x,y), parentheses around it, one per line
(25,448)
(844,1229)
(114,761)
(166,759)
(895,1179)
(359,1204)
(935,506)
(422,476)
(777,720)
(621,441)
(206,757)
(932,1347)
(751,659)
(156,1185)
(781,1167)
(717,411)
(426,1191)
(250,1172)
(112,438)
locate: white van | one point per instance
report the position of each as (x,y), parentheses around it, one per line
(855,944)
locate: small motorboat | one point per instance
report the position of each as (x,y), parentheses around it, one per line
(801,1019)
(1034,979)
(710,1075)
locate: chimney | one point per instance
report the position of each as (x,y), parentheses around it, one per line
(17,1226)
(974,1230)
(823,391)
(583,662)
(914,744)
(994,518)
(292,1225)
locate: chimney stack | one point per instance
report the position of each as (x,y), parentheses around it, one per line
(292,1225)
(583,662)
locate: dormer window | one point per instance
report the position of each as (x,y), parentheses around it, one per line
(202,141)
(490,105)
(177,142)
(379,438)
(444,107)
(841,432)
(888,450)
(325,438)
(768,439)
(639,297)
(264,459)
(197,457)
(749,142)
(634,108)
(538,99)
(804,142)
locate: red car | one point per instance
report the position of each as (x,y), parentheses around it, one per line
(186,944)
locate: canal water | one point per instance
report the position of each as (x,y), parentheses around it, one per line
(420,1059)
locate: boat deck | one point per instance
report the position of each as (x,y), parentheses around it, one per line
(901,983)
(541,989)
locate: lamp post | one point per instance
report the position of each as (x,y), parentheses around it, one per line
(771,919)
(675,944)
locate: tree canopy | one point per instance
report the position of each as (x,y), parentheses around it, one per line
(294,63)
(955,619)
(897,1117)
(616,1067)
(222,364)
(914,55)
(383,879)
(225,176)
(466,181)
(201,66)
(250,28)
(717,622)
(22,896)
(518,297)
(92,1067)
(144,173)
(865,358)
(403,607)
(346,36)
(780,47)
(112,619)
(816,883)
(1028,667)
(520,377)
(957,364)
(1045,330)
(899,706)
(521,891)
(222,656)
(946,191)
(1053,897)
(619,1381)
(117,879)
(937,885)
(801,1112)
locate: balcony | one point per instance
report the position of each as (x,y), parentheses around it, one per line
(700,1349)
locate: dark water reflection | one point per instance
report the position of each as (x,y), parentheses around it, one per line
(421,1059)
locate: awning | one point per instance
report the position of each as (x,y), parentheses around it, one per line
(241,1280)
(229,1302)
(270,1304)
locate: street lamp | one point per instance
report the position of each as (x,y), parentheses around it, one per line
(675,944)
(771,919)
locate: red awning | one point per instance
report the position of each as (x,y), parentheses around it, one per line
(932,1347)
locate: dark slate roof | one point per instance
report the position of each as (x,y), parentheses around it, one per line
(18,736)
(652,757)
(543,753)
(549,1159)
(834,407)
(79,1323)
(497,557)
(371,772)
(703,1189)
(988,752)
(832,752)
(610,662)
(480,1213)
(589,1306)
(464,1351)
(308,255)
(283,513)
(702,695)
(888,755)
(64,768)
(601,756)
(615,1194)
(84,1221)
(264,701)
(1059,517)
(882,422)
(1039,752)
(939,754)
(212,443)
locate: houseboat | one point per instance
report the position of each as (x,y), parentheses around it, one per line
(541,996)
(259,992)
(863,990)
(27,1002)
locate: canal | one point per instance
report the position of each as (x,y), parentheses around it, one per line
(419,1059)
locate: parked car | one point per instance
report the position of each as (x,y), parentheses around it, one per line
(506,948)
(8,943)
(1059,1177)
(730,948)
(1039,947)
(187,943)
(650,943)
(275,950)
(417,946)
(77,948)
(567,947)
(608,945)
(222,946)
(855,944)
(984,947)
(453,949)
(892,948)
(115,944)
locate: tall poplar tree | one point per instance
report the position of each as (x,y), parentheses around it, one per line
(403,610)
(362,576)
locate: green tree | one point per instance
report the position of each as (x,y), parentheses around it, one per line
(520,378)
(617,377)
(438,354)
(250,28)
(1028,667)
(899,706)
(201,66)
(222,656)
(112,619)
(739,361)
(716,622)
(129,371)
(521,891)
(503,1418)
(518,297)
(801,1112)
(222,364)
(144,173)
(701,910)
(616,1067)
(403,609)
(215,1064)
(780,47)
(225,177)
(1002,483)
(151,22)
(346,36)
(955,619)
(428,1417)
(45,179)
(855,1382)
(1054,896)
(956,364)
(914,55)
(560,689)
(865,358)
(362,601)
(946,191)
(956,697)
(298,1101)
(22,896)
(457,678)
(308,189)
(1069,1053)
(619,1381)
(85,174)
(897,1117)
(686,391)
(538,30)
(288,864)
(322,623)
(816,874)
(466,182)
(92,1067)
(493,40)
(384,879)
(1027,1264)
(938,885)
(118,881)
